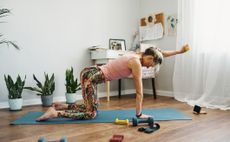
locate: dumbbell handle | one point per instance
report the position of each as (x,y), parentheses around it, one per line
(143,120)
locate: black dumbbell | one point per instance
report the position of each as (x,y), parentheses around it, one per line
(61,140)
(149,120)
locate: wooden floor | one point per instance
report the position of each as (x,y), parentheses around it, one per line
(212,127)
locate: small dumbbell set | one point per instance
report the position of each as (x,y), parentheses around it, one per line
(150,121)
(137,121)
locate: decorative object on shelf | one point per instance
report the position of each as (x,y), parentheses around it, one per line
(171,25)
(46,90)
(117,44)
(15,91)
(3,13)
(72,86)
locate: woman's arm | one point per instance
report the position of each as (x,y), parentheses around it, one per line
(135,66)
(184,49)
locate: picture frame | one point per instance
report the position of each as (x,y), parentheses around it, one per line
(117,44)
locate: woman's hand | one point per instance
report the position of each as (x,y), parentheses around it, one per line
(184,48)
(144,116)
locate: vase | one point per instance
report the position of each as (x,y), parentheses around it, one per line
(47,100)
(70,98)
(15,104)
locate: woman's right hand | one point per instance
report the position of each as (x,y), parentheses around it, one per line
(144,116)
(60,106)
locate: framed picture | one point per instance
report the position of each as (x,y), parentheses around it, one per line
(117,44)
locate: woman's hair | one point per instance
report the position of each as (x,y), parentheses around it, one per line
(157,55)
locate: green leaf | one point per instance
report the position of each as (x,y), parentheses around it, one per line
(34,89)
(38,82)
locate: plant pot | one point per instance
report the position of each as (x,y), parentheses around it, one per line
(15,104)
(47,100)
(70,98)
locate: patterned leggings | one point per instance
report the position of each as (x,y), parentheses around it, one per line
(90,77)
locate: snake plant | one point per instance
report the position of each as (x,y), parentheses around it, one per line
(45,89)
(14,88)
(72,84)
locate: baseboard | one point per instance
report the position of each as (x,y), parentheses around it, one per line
(37,101)
(159,92)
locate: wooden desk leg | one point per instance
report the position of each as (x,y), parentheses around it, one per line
(108,90)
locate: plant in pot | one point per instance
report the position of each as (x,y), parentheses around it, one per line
(15,91)
(44,90)
(72,86)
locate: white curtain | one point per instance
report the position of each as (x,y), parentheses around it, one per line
(202,75)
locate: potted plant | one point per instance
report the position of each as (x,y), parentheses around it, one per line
(15,92)
(3,13)
(72,86)
(44,90)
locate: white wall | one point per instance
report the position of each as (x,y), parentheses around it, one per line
(54,35)
(168,7)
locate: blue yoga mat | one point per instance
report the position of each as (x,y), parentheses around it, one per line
(106,116)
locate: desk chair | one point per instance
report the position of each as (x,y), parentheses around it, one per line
(147,73)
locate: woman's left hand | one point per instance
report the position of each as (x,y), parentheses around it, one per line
(184,49)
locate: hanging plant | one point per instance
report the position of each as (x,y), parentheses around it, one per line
(3,13)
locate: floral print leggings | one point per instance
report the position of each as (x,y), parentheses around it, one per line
(90,77)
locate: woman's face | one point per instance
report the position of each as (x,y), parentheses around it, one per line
(148,61)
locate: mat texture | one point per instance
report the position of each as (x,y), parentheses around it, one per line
(106,116)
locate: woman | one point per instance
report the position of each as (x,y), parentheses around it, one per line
(121,67)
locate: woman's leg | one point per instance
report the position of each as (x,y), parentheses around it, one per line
(90,77)
(77,107)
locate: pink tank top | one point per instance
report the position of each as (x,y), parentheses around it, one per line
(117,68)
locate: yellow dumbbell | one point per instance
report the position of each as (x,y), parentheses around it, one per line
(123,122)
(186,47)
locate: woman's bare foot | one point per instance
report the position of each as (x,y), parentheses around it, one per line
(60,106)
(50,113)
